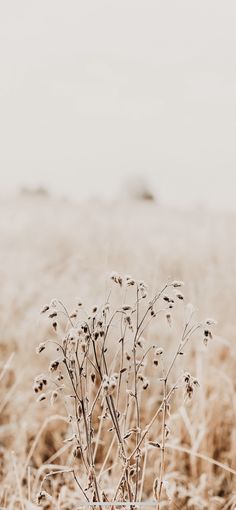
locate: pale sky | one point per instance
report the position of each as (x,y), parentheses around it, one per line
(94,91)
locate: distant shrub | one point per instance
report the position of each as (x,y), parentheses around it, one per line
(38,191)
(137,188)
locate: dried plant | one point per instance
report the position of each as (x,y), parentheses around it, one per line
(103,369)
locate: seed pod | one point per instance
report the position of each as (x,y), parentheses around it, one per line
(42,397)
(168,317)
(54,365)
(45,309)
(211,322)
(155,444)
(177,283)
(128,357)
(52,315)
(54,397)
(159,351)
(42,496)
(40,347)
(145,384)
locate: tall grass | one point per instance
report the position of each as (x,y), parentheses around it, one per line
(64,250)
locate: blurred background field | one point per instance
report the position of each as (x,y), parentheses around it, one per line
(52,247)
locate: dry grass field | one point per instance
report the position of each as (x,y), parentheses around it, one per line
(51,248)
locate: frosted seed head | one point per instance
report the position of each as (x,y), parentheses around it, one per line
(41,397)
(45,309)
(40,348)
(180,296)
(54,365)
(210,322)
(177,284)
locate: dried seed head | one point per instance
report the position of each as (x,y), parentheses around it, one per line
(54,397)
(159,351)
(167,431)
(45,309)
(132,471)
(41,397)
(187,377)
(127,435)
(42,496)
(39,383)
(210,322)
(54,365)
(145,384)
(83,346)
(36,388)
(190,384)
(127,320)
(142,284)
(168,318)
(40,348)
(208,333)
(189,391)
(54,303)
(52,315)
(115,277)
(112,384)
(155,444)
(142,289)
(105,382)
(177,283)
(84,327)
(130,282)
(77,451)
